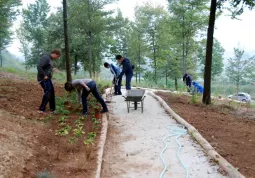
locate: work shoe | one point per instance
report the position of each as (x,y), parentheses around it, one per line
(52,112)
(41,112)
(84,114)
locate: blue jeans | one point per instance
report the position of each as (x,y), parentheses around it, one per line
(129,76)
(49,95)
(117,87)
(93,89)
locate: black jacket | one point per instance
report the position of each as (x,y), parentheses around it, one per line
(187,79)
(45,67)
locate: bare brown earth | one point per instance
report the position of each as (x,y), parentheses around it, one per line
(229,130)
(29,144)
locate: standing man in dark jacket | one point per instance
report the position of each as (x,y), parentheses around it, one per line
(187,80)
(44,75)
(127,70)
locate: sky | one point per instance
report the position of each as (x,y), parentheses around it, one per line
(230,33)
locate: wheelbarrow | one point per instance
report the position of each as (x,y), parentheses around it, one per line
(136,96)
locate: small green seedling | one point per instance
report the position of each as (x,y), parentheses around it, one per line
(64,131)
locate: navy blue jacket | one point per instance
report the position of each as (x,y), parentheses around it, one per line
(127,68)
(187,79)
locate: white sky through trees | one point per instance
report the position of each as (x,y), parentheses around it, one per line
(230,33)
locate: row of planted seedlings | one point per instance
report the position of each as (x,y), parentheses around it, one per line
(72,125)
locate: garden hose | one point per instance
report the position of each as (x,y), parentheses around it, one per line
(176,131)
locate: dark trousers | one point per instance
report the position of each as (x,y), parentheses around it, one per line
(85,93)
(188,84)
(129,76)
(117,86)
(49,95)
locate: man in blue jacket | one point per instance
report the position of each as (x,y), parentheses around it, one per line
(127,69)
(198,88)
(115,70)
(44,75)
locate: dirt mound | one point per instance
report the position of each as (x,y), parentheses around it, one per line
(30,144)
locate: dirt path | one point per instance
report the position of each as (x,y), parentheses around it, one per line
(134,143)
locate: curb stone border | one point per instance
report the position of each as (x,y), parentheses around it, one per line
(100,151)
(101,144)
(232,171)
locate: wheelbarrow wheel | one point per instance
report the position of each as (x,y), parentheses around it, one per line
(135,105)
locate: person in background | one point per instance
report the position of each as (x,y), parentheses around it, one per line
(187,80)
(83,88)
(44,75)
(198,88)
(115,70)
(127,69)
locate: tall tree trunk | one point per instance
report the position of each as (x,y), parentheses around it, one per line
(183,47)
(139,68)
(38,49)
(89,40)
(166,76)
(139,57)
(90,53)
(154,59)
(94,65)
(237,85)
(1,58)
(75,64)
(176,83)
(68,68)
(136,77)
(209,50)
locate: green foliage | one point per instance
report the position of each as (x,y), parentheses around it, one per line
(90,139)
(8,13)
(72,140)
(90,25)
(10,61)
(238,67)
(102,84)
(21,34)
(217,58)
(78,132)
(226,87)
(35,26)
(237,6)
(65,130)
(60,109)
(11,70)
(188,20)
(194,98)
(150,19)
(95,123)
(62,119)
